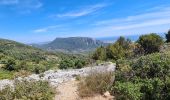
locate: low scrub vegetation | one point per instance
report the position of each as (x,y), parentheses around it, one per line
(150,43)
(6,74)
(15,57)
(18,59)
(125,49)
(28,90)
(74,61)
(120,49)
(142,68)
(168,36)
(96,83)
(144,78)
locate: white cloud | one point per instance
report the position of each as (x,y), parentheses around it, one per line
(22,5)
(40,30)
(46,29)
(154,21)
(155,15)
(30,4)
(82,12)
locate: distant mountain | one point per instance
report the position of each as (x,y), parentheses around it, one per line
(72,44)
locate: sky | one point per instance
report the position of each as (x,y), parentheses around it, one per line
(33,21)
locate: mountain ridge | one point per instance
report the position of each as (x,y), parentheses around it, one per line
(72,44)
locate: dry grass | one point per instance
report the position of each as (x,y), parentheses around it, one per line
(28,90)
(22,73)
(95,83)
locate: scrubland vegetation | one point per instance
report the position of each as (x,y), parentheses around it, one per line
(18,59)
(74,61)
(15,57)
(28,90)
(142,69)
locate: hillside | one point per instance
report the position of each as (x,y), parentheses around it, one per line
(72,44)
(20,51)
(16,57)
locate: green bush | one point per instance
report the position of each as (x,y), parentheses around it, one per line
(10,66)
(123,70)
(72,63)
(67,63)
(151,43)
(144,78)
(168,36)
(28,90)
(127,91)
(154,65)
(115,52)
(100,54)
(125,43)
(6,74)
(121,49)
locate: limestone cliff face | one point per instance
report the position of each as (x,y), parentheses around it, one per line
(72,44)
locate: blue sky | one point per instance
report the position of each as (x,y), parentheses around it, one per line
(43,20)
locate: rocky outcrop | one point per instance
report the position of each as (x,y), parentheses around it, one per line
(59,76)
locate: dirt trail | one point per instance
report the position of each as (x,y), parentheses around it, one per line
(68,91)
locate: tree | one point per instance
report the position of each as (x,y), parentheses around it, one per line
(100,54)
(168,36)
(121,40)
(125,43)
(10,65)
(67,63)
(150,43)
(115,51)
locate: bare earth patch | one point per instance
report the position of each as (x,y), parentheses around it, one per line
(68,91)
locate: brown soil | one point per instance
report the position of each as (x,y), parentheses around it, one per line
(68,91)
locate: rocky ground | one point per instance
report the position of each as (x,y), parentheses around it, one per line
(61,78)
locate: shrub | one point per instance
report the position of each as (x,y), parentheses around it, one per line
(100,54)
(153,89)
(125,43)
(168,36)
(72,63)
(28,90)
(39,69)
(96,83)
(138,51)
(144,78)
(10,66)
(150,43)
(115,52)
(6,74)
(79,63)
(151,66)
(67,63)
(123,70)
(122,48)
(127,91)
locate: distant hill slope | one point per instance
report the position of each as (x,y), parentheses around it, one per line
(19,51)
(72,44)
